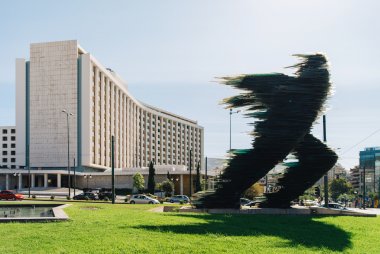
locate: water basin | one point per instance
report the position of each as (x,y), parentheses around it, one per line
(32,212)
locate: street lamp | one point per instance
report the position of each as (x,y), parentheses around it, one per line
(17,174)
(87,177)
(68,146)
(232,112)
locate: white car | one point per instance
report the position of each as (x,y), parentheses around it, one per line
(142,199)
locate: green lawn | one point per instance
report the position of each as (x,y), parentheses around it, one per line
(122,228)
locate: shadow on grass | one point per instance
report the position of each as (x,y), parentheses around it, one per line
(298,230)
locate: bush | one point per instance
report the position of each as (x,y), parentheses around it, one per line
(168,187)
(254,191)
(68,198)
(52,197)
(86,198)
(106,199)
(33,196)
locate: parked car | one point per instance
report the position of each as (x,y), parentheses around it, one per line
(10,195)
(142,199)
(255,201)
(244,201)
(86,196)
(179,199)
(335,206)
(105,194)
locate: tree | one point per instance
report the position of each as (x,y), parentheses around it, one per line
(198,179)
(167,187)
(151,182)
(338,187)
(168,176)
(138,182)
(254,191)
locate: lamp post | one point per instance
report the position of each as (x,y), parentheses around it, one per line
(206,177)
(374,173)
(232,112)
(87,177)
(17,174)
(75,179)
(363,203)
(68,147)
(325,178)
(191,162)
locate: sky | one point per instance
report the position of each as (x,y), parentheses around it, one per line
(170,53)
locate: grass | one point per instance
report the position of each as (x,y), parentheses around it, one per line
(122,228)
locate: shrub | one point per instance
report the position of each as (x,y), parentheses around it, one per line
(33,196)
(138,182)
(254,191)
(86,198)
(52,197)
(106,199)
(68,198)
(168,187)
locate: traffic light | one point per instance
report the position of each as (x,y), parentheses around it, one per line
(317,191)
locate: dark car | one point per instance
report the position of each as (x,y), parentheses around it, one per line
(255,201)
(86,196)
(244,201)
(179,199)
(7,194)
(105,195)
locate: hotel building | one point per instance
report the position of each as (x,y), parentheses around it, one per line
(63,76)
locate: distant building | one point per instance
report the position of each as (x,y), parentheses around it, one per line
(355,178)
(369,162)
(8,147)
(338,171)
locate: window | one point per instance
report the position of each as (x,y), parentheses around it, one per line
(5,160)
(5,153)
(13,145)
(5,138)
(13,152)
(13,138)
(5,146)
(5,131)
(13,160)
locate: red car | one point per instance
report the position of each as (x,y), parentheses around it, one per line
(7,194)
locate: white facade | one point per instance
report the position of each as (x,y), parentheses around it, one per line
(61,75)
(8,147)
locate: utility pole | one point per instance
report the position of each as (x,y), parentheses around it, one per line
(363,203)
(231,112)
(206,177)
(75,179)
(68,147)
(374,173)
(325,178)
(27,163)
(191,160)
(113,168)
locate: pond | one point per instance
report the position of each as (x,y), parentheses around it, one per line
(32,212)
(25,211)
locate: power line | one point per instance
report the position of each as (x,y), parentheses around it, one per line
(361,141)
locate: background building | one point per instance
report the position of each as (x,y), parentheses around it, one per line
(63,76)
(369,162)
(8,147)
